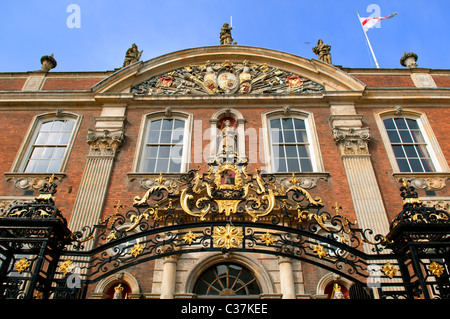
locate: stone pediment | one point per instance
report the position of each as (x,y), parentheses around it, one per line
(227,78)
(228,70)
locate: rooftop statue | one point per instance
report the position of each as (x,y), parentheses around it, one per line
(133,55)
(323,51)
(225,34)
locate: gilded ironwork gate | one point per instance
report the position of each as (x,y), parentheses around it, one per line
(224,210)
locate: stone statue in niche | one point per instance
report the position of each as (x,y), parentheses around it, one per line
(118,292)
(132,55)
(323,51)
(228,134)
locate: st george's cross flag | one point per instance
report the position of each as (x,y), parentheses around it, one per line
(368,23)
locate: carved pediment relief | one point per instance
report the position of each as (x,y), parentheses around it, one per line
(227,78)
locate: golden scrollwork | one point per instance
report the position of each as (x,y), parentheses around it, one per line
(227,236)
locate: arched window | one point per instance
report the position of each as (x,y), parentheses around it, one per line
(47,144)
(410,142)
(165,144)
(292,142)
(227,280)
(49,147)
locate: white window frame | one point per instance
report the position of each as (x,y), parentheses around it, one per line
(25,150)
(311,133)
(432,145)
(140,148)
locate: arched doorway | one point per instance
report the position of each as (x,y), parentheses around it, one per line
(227,280)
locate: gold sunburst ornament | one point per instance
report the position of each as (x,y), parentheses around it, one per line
(267,239)
(389,270)
(22,265)
(320,251)
(436,269)
(227,236)
(137,249)
(189,237)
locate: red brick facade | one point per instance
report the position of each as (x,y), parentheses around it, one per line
(76,95)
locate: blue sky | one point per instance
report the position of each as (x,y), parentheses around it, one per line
(30,29)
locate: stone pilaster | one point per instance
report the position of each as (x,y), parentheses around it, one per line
(103,145)
(364,189)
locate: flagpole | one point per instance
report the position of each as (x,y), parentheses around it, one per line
(367,38)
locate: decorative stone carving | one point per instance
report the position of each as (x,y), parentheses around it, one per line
(31,181)
(409,60)
(428,183)
(48,62)
(323,51)
(227,78)
(352,141)
(306,182)
(104,142)
(440,204)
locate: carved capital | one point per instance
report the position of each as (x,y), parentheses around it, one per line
(104,142)
(352,141)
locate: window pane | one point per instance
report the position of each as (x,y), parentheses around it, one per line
(149,165)
(415,165)
(406,136)
(303,151)
(153,137)
(52,139)
(177,136)
(291,151)
(393,136)
(48,152)
(289,136)
(54,166)
(417,136)
(68,126)
(31,166)
(155,125)
(175,166)
(410,151)
(167,125)
(279,165)
(412,124)
(306,165)
(57,126)
(59,152)
(41,138)
(400,123)
(164,152)
(299,124)
(301,136)
(37,152)
(288,124)
(389,124)
(293,165)
(276,136)
(178,125)
(64,139)
(165,136)
(403,165)
(398,151)
(161,165)
(42,166)
(276,123)
(46,127)
(427,165)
